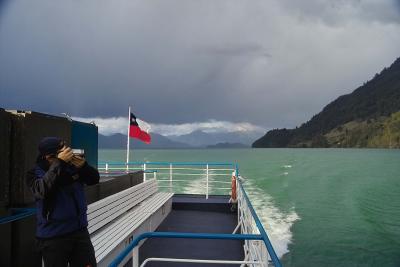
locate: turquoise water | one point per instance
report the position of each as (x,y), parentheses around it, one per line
(321,207)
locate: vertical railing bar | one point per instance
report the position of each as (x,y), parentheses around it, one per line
(207,182)
(144,172)
(135,257)
(170,177)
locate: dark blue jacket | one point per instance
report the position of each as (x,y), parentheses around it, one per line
(60,198)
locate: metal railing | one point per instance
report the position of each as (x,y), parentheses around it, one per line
(17,214)
(179,177)
(224,262)
(128,250)
(258,249)
(250,223)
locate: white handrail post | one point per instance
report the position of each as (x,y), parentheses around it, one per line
(207,182)
(127,142)
(170,177)
(155,175)
(135,257)
(264,254)
(106,167)
(239,198)
(144,172)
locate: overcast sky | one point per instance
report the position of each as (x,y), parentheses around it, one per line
(268,63)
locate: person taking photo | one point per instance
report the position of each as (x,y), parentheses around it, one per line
(57,182)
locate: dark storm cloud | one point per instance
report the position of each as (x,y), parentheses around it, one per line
(235,50)
(272,63)
(339,12)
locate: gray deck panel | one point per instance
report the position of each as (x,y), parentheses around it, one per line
(195,221)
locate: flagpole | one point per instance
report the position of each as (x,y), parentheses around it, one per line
(127,143)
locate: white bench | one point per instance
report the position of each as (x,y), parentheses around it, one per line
(116,219)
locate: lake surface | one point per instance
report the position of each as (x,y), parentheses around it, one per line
(321,207)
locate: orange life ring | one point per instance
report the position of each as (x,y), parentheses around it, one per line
(234,191)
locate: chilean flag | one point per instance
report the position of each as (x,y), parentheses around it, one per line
(136,132)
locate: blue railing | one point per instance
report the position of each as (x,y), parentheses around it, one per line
(168,163)
(260,227)
(136,241)
(262,236)
(17,214)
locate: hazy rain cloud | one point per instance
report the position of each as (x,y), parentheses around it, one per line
(272,63)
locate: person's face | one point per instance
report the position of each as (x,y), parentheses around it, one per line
(51,158)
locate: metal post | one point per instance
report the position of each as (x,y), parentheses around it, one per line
(155,175)
(135,257)
(207,182)
(106,167)
(144,172)
(264,254)
(239,202)
(170,177)
(127,143)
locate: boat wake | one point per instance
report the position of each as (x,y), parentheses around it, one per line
(277,224)
(195,187)
(198,185)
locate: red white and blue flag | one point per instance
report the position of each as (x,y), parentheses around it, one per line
(136,132)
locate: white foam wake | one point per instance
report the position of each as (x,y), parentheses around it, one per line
(195,187)
(198,184)
(276,223)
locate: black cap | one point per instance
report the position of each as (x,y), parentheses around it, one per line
(50,145)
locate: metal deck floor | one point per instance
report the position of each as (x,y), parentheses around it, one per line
(195,215)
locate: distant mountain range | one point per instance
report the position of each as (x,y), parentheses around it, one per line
(203,139)
(228,145)
(368,117)
(193,140)
(118,141)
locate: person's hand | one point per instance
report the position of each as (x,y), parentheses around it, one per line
(65,154)
(78,161)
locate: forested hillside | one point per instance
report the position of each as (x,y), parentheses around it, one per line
(365,118)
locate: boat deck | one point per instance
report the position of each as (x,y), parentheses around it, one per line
(195,214)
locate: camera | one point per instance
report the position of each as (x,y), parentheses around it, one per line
(78,152)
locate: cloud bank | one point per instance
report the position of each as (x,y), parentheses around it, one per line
(108,126)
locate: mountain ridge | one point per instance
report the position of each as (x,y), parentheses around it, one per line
(200,138)
(195,139)
(375,101)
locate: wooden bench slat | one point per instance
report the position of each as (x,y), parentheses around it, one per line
(125,219)
(105,246)
(103,235)
(119,231)
(127,200)
(104,202)
(152,204)
(114,207)
(115,201)
(125,230)
(103,219)
(114,218)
